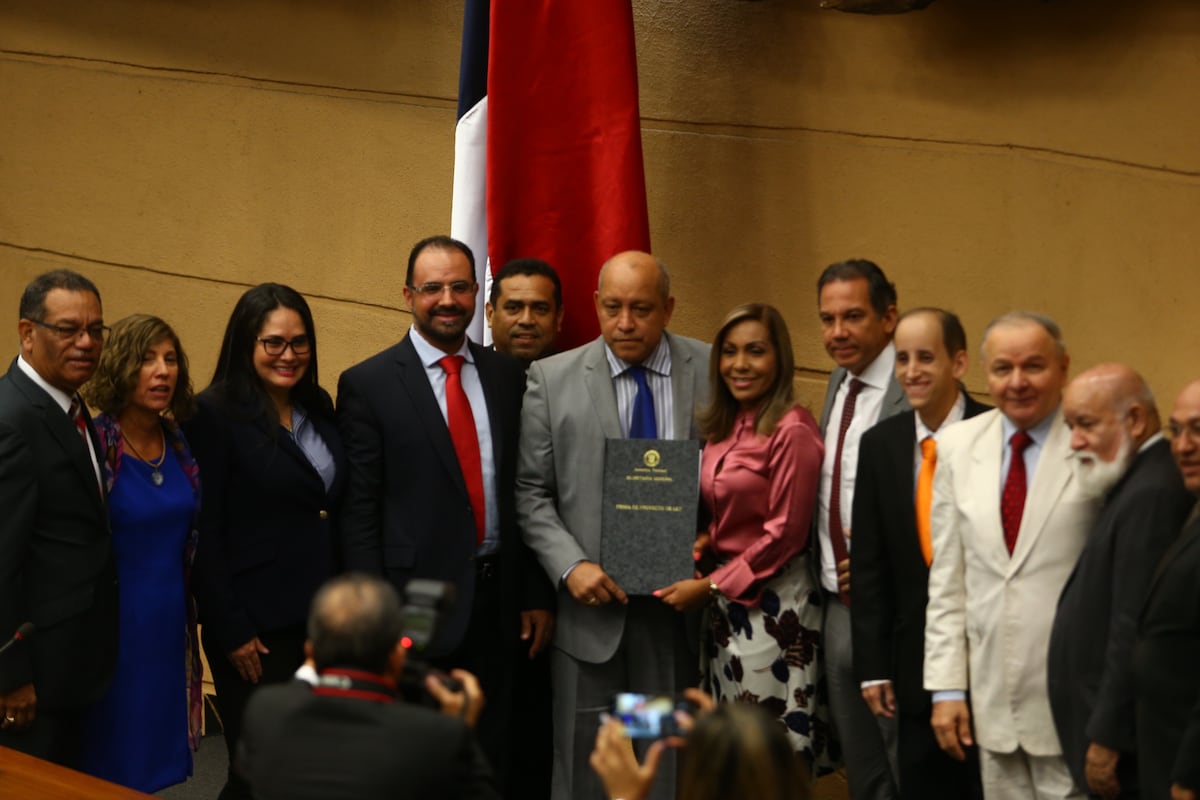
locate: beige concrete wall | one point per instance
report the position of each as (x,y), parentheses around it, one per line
(990,155)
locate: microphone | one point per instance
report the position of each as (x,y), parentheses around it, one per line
(24,632)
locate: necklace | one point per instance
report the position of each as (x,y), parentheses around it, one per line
(156,476)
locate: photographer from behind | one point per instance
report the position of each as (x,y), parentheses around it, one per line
(350,735)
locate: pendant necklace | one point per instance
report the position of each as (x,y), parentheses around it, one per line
(156,476)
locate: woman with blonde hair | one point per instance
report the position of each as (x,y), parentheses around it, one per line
(142,731)
(758,480)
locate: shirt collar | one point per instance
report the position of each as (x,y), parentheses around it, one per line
(659,361)
(431,355)
(58,395)
(1038,432)
(957,411)
(880,371)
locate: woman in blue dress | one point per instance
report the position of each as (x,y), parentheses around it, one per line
(142,732)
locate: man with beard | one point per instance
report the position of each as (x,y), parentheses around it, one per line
(1168,638)
(1120,455)
(430,428)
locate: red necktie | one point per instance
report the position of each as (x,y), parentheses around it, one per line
(1012,500)
(837,534)
(924,502)
(466,440)
(75,412)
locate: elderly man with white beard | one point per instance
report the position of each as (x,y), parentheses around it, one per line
(1119,454)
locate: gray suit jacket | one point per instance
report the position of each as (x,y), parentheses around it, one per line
(570,408)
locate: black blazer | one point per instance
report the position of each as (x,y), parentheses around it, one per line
(1090,660)
(889,582)
(1165,659)
(56,559)
(267,524)
(297,745)
(407,513)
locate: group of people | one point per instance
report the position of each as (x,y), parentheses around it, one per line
(882,582)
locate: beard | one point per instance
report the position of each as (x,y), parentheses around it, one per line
(1097,477)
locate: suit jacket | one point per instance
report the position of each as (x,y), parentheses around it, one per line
(570,410)
(1164,664)
(56,558)
(987,614)
(888,573)
(1090,663)
(407,512)
(267,524)
(297,745)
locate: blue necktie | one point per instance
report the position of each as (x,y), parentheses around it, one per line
(643,424)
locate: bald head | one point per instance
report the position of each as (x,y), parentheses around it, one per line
(355,622)
(1111,413)
(1185,435)
(633,304)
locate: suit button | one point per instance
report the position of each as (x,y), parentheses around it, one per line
(323,514)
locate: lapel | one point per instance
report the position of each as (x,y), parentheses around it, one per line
(600,388)
(490,379)
(1046,487)
(986,453)
(415,385)
(835,380)
(683,376)
(894,400)
(62,430)
(1188,537)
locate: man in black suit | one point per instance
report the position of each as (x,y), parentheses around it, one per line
(524,309)
(892,549)
(56,559)
(430,429)
(857,307)
(1120,455)
(1168,637)
(349,737)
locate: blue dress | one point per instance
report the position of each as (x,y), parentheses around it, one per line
(137,734)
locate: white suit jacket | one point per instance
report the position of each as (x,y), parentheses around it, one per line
(987,625)
(570,408)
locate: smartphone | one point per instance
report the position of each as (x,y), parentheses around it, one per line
(647,716)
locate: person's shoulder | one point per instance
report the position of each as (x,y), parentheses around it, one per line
(686,344)
(381,360)
(966,431)
(570,361)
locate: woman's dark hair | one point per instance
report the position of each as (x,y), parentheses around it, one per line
(716,420)
(739,750)
(235,381)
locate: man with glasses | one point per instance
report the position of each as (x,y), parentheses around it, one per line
(1168,641)
(430,429)
(56,560)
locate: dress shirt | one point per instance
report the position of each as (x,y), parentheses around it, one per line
(761,490)
(306,437)
(658,376)
(957,411)
(473,388)
(1033,451)
(876,377)
(63,400)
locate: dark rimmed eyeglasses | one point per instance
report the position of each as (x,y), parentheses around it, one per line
(69,333)
(275,345)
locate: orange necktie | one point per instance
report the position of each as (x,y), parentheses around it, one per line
(925,496)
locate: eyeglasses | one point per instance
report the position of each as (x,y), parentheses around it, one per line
(275,345)
(69,333)
(433,289)
(1177,430)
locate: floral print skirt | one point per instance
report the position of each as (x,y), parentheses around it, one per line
(770,654)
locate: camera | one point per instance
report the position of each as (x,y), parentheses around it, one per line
(424,603)
(649,716)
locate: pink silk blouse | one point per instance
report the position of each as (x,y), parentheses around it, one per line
(761,491)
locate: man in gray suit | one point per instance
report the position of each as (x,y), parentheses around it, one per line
(857,305)
(606,641)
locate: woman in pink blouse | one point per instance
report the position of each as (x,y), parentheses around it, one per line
(759,482)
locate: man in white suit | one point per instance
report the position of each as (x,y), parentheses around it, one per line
(605,641)
(1009,521)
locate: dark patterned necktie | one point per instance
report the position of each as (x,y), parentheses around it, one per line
(837,535)
(1012,500)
